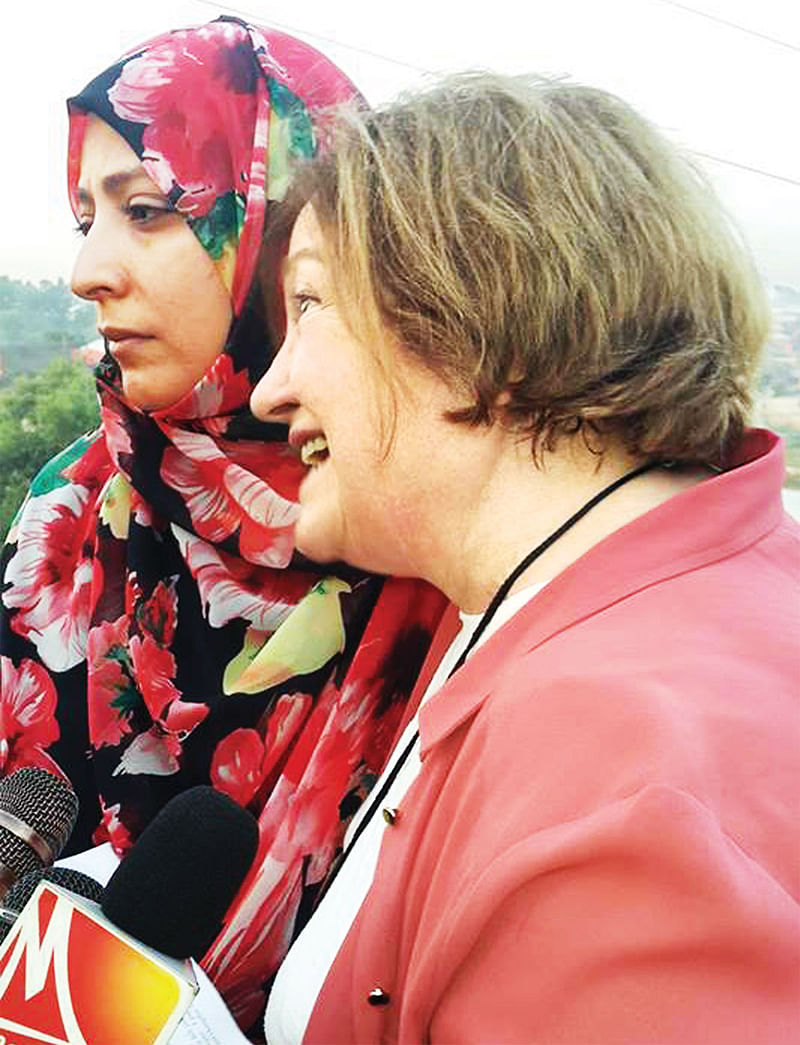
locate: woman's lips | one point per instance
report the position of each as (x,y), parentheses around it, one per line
(119,339)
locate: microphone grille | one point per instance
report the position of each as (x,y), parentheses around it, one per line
(46,804)
(22,890)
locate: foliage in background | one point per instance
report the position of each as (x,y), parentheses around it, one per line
(47,400)
(39,415)
(38,323)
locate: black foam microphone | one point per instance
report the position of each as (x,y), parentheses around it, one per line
(38,811)
(22,890)
(173,888)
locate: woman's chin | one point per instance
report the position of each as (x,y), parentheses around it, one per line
(316,539)
(140,396)
(153,388)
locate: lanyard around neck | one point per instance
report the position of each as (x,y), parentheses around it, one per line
(483,623)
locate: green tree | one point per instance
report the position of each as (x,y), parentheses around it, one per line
(40,414)
(40,323)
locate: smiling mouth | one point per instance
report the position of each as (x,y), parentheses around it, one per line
(314,451)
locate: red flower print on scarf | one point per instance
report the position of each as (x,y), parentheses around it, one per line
(155,752)
(50,576)
(242,762)
(319,769)
(27,716)
(330,771)
(301,821)
(111,829)
(111,695)
(118,438)
(141,510)
(153,669)
(200,147)
(236,765)
(219,392)
(158,750)
(158,615)
(275,463)
(223,497)
(93,466)
(231,589)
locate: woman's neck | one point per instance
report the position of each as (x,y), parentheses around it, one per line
(521,504)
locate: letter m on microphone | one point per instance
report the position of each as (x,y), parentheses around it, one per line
(69,977)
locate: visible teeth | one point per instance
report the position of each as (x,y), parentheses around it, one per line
(314,451)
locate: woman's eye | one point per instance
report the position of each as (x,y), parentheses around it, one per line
(304,301)
(144,213)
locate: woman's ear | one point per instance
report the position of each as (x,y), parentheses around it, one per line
(499,410)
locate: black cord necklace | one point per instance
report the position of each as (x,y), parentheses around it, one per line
(488,614)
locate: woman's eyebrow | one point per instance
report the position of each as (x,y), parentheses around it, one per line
(291,261)
(112,183)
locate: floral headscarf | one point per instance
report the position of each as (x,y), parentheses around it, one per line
(157,629)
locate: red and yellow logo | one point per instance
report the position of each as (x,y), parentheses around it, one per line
(67,977)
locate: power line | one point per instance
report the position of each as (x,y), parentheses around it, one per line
(745,167)
(260,18)
(731,25)
(409,65)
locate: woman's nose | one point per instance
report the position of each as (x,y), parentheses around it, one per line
(272,398)
(98,271)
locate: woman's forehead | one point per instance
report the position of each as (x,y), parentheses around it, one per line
(107,162)
(306,241)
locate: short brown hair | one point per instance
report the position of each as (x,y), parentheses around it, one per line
(542,239)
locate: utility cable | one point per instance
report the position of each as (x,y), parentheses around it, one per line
(730,25)
(745,167)
(258,17)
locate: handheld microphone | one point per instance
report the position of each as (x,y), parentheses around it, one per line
(22,890)
(38,811)
(71,970)
(174,887)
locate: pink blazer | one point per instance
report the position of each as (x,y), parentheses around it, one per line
(602,845)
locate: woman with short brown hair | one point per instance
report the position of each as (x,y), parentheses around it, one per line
(543,240)
(519,353)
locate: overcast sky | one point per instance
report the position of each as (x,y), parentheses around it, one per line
(720,76)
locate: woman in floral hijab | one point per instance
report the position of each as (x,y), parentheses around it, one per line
(157,629)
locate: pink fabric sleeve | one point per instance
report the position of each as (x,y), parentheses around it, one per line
(641,922)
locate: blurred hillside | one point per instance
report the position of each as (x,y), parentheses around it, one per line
(47,395)
(39,323)
(43,326)
(779,387)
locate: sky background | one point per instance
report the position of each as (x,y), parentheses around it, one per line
(721,77)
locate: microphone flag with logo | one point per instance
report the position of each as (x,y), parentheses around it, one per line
(69,975)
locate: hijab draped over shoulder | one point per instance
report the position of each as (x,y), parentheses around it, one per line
(158,630)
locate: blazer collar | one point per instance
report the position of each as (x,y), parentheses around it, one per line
(706,523)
